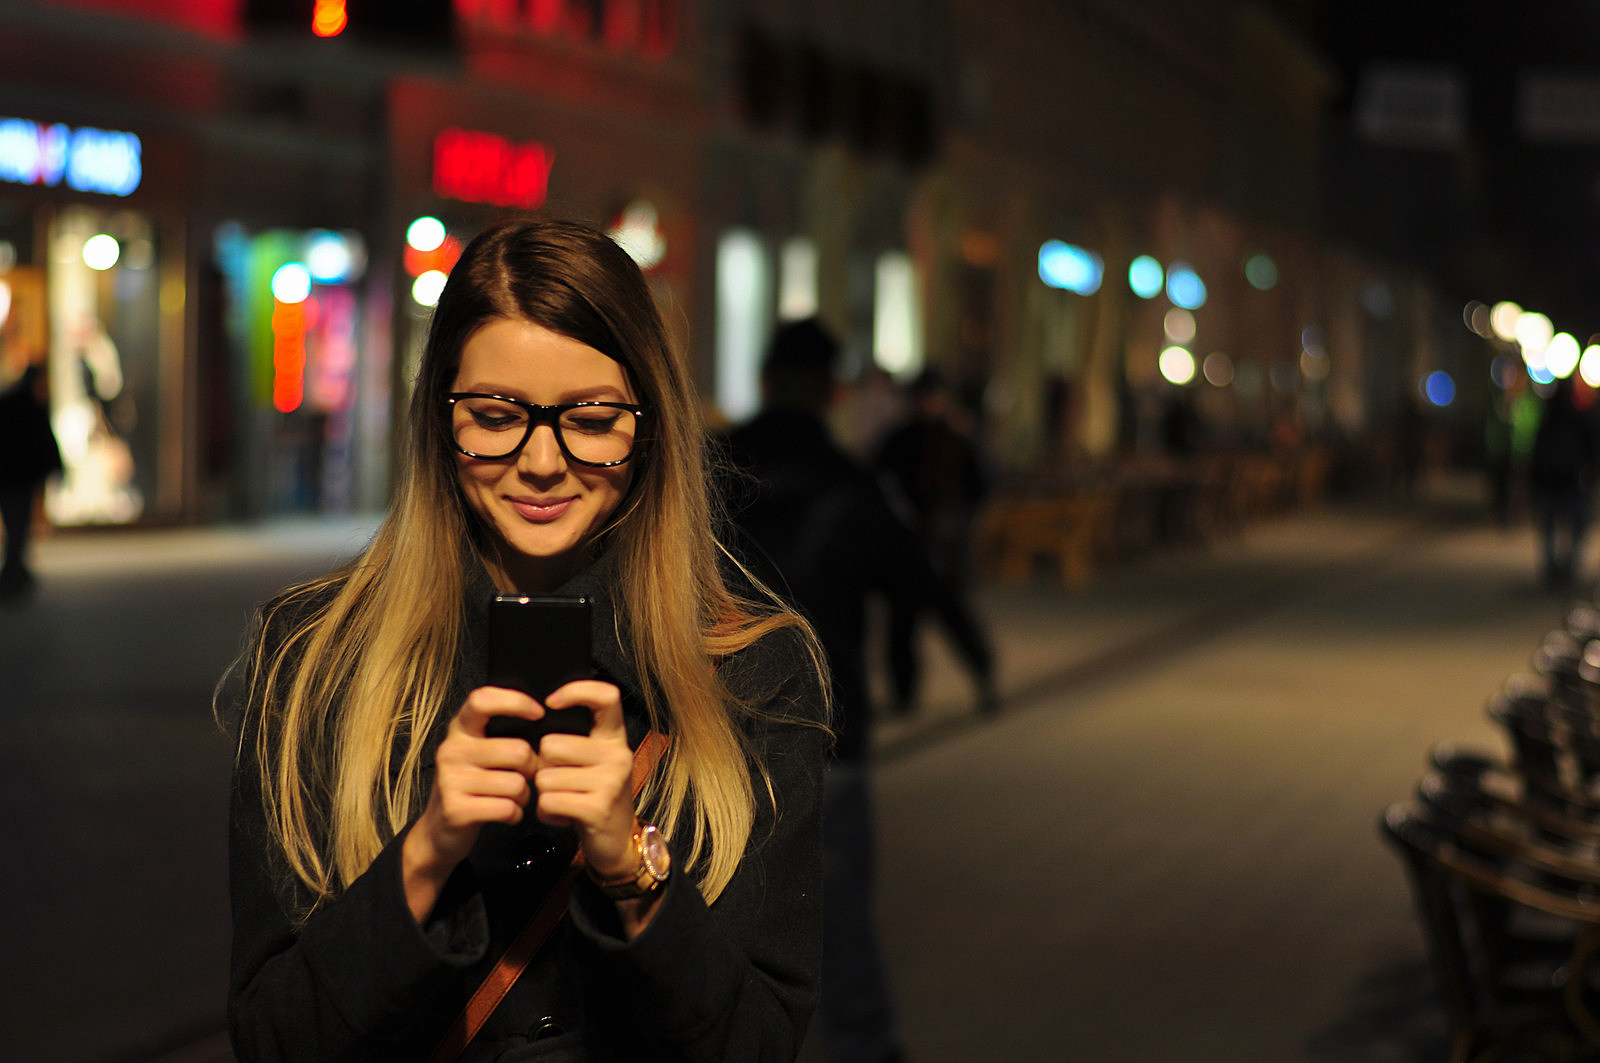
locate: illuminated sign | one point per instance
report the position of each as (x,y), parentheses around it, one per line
(651,28)
(485,168)
(87,159)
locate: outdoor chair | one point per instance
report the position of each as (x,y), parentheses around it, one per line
(1505,941)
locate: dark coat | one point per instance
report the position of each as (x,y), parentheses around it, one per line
(1564,448)
(28,450)
(818,529)
(733,981)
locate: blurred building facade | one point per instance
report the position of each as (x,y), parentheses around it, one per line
(957,183)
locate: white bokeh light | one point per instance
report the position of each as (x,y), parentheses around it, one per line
(1177,365)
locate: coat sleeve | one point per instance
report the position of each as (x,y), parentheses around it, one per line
(738,979)
(359,979)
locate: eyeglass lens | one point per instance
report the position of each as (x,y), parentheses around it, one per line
(594,433)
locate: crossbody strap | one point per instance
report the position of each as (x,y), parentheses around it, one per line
(521,952)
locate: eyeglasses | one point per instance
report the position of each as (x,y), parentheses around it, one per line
(494,427)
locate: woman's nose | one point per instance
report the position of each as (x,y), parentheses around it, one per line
(541,455)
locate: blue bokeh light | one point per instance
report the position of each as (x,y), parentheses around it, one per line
(1146,277)
(1076,269)
(1439,388)
(1184,287)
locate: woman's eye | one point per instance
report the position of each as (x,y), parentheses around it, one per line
(496,420)
(593,424)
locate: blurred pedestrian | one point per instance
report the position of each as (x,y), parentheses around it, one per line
(820,530)
(28,457)
(1561,474)
(386,851)
(934,468)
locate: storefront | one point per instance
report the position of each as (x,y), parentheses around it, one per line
(91,284)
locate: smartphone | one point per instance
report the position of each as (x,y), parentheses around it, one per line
(535,645)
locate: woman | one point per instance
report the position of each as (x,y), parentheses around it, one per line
(385,850)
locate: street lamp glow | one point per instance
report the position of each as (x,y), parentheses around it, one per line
(1177,365)
(1503,320)
(425,234)
(1589,366)
(291,283)
(1561,355)
(427,288)
(1533,332)
(101,251)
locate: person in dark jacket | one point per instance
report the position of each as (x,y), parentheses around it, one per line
(1561,475)
(819,528)
(29,456)
(935,471)
(385,850)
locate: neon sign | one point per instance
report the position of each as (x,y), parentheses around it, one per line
(651,28)
(485,168)
(88,159)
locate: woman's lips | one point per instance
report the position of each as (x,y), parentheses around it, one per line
(540,511)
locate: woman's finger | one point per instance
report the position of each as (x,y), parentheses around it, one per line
(602,699)
(485,703)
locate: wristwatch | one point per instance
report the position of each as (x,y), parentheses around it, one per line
(655,863)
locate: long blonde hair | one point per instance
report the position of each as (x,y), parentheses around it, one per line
(350,673)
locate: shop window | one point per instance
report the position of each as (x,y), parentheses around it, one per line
(103,296)
(797,279)
(897,315)
(743,294)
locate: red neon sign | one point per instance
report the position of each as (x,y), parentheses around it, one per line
(290,322)
(479,167)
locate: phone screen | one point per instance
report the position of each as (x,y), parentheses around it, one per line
(535,645)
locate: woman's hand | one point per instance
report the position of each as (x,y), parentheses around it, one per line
(585,781)
(477,780)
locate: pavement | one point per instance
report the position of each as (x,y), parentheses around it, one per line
(1163,848)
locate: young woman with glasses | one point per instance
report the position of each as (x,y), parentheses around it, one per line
(385,851)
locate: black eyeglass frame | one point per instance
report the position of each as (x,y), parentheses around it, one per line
(538,415)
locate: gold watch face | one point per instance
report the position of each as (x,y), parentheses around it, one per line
(653,848)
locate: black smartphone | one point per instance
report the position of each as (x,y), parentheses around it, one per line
(535,645)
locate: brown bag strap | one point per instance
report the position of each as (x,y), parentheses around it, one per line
(521,952)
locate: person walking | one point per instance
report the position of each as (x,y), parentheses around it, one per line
(29,455)
(1561,475)
(935,471)
(818,528)
(407,886)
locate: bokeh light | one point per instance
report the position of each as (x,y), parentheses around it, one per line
(1184,287)
(1589,366)
(1261,272)
(427,288)
(1478,318)
(1503,320)
(425,234)
(291,283)
(1313,366)
(1439,388)
(328,257)
(1177,365)
(1179,325)
(1504,370)
(1217,369)
(101,251)
(1070,267)
(1561,355)
(1146,277)
(1533,332)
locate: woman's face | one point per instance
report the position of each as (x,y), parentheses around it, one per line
(543,508)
